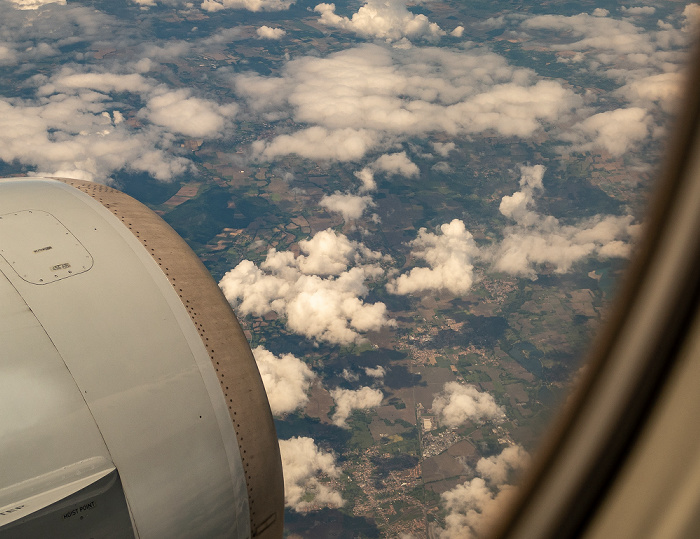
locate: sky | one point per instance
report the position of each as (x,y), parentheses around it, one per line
(88,95)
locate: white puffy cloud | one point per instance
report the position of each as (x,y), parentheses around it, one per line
(456,404)
(8,55)
(179,112)
(320,143)
(382,19)
(615,131)
(39,29)
(249,5)
(69,136)
(347,400)
(349,375)
(350,206)
(35,4)
(266,32)
(330,253)
(474,506)
(449,257)
(517,206)
(213,6)
(304,466)
(401,93)
(617,48)
(396,163)
(67,79)
(594,32)
(691,16)
(169,50)
(538,239)
(638,10)
(366,176)
(286,378)
(443,148)
(72,126)
(376,372)
(497,469)
(664,89)
(318,292)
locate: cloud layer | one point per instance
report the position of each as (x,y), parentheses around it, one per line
(73,127)
(402,93)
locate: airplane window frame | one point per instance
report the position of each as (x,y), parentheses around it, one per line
(570,478)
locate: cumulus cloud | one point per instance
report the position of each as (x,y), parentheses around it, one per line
(35,4)
(350,206)
(366,176)
(179,112)
(615,131)
(349,375)
(266,32)
(474,506)
(318,292)
(36,34)
(104,82)
(304,467)
(320,143)
(638,10)
(347,400)
(73,119)
(396,163)
(497,469)
(538,239)
(443,148)
(691,16)
(457,32)
(456,404)
(249,5)
(449,256)
(286,378)
(376,372)
(8,55)
(594,32)
(382,19)
(73,127)
(663,89)
(617,48)
(69,136)
(402,93)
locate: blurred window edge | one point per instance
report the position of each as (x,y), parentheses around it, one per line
(634,363)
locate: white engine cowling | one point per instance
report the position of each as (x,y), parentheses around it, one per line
(131,402)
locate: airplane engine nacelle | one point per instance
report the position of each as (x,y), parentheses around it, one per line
(130,402)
